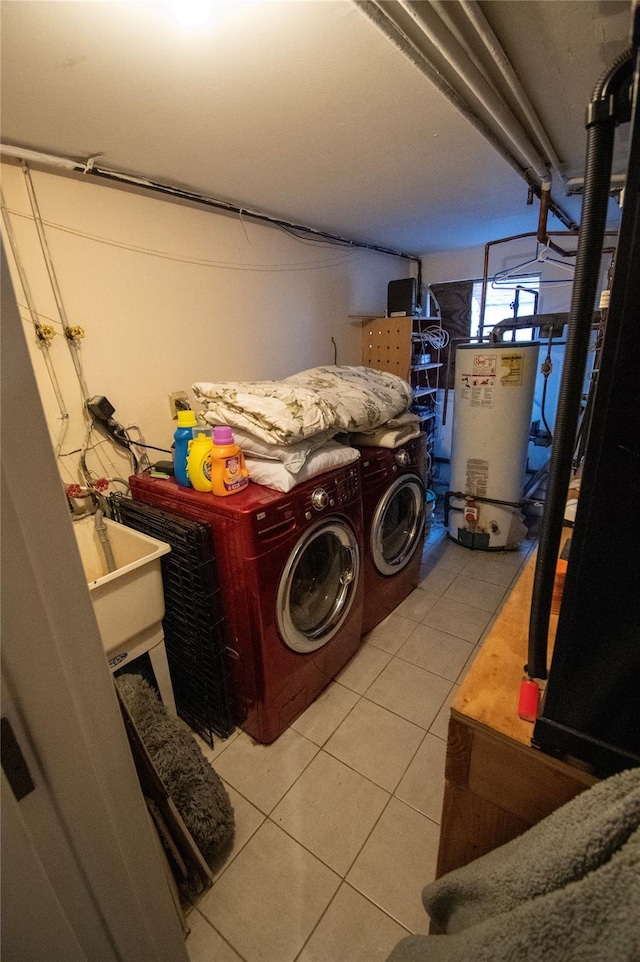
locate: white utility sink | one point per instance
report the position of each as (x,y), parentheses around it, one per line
(129,601)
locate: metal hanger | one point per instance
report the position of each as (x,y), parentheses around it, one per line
(543,256)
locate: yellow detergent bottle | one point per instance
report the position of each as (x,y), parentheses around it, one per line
(199,459)
(229,473)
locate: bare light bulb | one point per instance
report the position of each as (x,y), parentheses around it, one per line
(192,13)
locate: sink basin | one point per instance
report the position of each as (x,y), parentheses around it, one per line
(128,602)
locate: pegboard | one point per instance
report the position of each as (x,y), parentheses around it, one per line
(386,344)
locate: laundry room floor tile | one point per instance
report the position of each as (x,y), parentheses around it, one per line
(331,809)
(488,569)
(375,742)
(352,929)
(204,944)
(478,594)
(263,773)
(435,580)
(248,820)
(457,618)
(436,651)
(319,721)
(398,860)
(391,633)
(415,606)
(364,667)
(514,558)
(219,744)
(422,785)
(270,898)
(447,556)
(409,691)
(440,724)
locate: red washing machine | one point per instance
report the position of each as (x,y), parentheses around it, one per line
(394,512)
(289,569)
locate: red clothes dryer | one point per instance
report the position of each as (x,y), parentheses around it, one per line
(394,512)
(291,587)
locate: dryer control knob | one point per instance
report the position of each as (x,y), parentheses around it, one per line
(319,499)
(403,459)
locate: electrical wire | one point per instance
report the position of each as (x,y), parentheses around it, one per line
(44,342)
(352,252)
(44,247)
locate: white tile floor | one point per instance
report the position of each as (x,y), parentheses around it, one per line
(337,822)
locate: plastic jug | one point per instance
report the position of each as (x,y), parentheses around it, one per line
(229,473)
(187,420)
(199,459)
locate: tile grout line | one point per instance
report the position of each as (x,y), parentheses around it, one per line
(219,934)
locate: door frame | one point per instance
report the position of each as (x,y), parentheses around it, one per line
(86,820)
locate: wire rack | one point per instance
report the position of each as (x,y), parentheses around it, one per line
(193,621)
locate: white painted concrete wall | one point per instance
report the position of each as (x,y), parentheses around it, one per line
(169,294)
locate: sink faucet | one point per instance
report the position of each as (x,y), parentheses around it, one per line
(103,536)
(93,495)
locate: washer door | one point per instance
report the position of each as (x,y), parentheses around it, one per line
(318,585)
(397,524)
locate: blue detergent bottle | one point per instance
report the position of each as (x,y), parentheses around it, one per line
(187,421)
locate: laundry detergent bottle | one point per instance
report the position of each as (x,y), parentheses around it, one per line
(187,420)
(199,459)
(229,473)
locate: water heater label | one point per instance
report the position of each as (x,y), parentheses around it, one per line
(477,477)
(478,386)
(484,364)
(514,364)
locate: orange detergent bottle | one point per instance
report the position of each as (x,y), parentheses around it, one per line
(229,473)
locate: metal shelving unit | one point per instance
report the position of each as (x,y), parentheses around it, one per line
(393,344)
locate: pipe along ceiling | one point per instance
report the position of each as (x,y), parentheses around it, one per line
(453,45)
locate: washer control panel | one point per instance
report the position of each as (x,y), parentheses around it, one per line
(319,499)
(340,489)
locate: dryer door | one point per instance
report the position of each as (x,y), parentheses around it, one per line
(318,585)
(397,524)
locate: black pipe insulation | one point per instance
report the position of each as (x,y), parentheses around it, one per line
(601,122)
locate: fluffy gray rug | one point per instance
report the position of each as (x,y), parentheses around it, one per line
(196,789)
(567,890)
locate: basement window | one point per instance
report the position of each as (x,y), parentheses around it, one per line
(517,300)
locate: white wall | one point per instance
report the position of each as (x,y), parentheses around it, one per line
(169,294)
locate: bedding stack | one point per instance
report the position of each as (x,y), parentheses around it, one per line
(293,429)
(391,434)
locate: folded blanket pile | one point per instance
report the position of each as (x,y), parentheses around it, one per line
(392,434)
(323,399)
(566,890)
(294,421)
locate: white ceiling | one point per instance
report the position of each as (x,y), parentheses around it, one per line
(301,109)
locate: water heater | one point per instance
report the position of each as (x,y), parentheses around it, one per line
(494,386)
